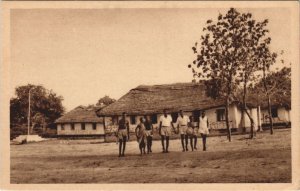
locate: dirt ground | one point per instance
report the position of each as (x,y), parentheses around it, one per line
(264,159)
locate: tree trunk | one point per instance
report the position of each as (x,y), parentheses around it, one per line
(245,110)
(270,115)
(227,119)
(244,106)
(252,124)
(243,121)
(269,100)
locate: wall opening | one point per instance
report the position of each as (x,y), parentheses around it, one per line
(72,126)
(133,119)
(154,118)
(274,112)
(174,117)
(196,115)
(221,115)
(82,126)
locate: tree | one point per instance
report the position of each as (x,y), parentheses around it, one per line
(255,51)
(105,101)
(265,64)
(275,85)
(228,54)
(45,106)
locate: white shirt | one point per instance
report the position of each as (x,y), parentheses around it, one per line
(203,122)
(165,121)
(183,121)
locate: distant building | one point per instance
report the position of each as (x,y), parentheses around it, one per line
(189,97)
(80,121)
(280,114)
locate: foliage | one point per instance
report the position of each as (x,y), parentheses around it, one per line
(45,106)
(278,86)
(231,51)
(105,101)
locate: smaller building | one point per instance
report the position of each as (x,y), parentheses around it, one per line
(280,109)
(81,121)
(280,115)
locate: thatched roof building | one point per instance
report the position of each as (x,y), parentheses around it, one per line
(147,99)
(256,99)
(81,114)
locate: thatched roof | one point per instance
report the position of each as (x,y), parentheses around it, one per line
(255,99)
(154,99)
(81,114)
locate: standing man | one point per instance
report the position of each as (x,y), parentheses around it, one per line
(165,130)
(123,134)
(195,127)
(182,124)
(149,133)
(203,129)
(140,132)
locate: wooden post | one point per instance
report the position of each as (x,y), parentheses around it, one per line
(28,116)
(104,129)
(259,118)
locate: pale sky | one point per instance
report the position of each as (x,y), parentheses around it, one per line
(83,55)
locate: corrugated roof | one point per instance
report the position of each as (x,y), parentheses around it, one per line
(81,114)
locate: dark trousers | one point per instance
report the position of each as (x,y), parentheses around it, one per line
(204,141)
(184,139)
(163,142)
(142,146)
(122,146)
(195,141)
(149,144)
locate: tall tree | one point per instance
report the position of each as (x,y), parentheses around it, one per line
(266,62)
(227,56)
(45,106)
(255,51)
(275,86)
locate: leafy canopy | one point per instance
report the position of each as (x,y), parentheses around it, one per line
(46,106)
(230,51)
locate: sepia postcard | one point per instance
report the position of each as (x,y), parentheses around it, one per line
(150,95)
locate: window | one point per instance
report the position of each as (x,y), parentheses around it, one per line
(94,126)
(154,119)
(274,112)
(72,126)
(132,119)
(174,117)
(82,126)
(62,126)
(220,114)
(114,120)
(196,115)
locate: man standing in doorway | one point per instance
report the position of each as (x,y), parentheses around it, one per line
(123,134)
(182,124)
(165,130)
(203,129)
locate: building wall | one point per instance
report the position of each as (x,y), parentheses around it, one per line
(212,118)
(283,115)
(234,116)
(234,120)
(78,131)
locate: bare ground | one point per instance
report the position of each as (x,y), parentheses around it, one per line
(264,159)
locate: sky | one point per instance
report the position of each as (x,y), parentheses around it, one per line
(83,54)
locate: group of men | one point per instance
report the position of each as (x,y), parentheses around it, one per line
(187,127)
